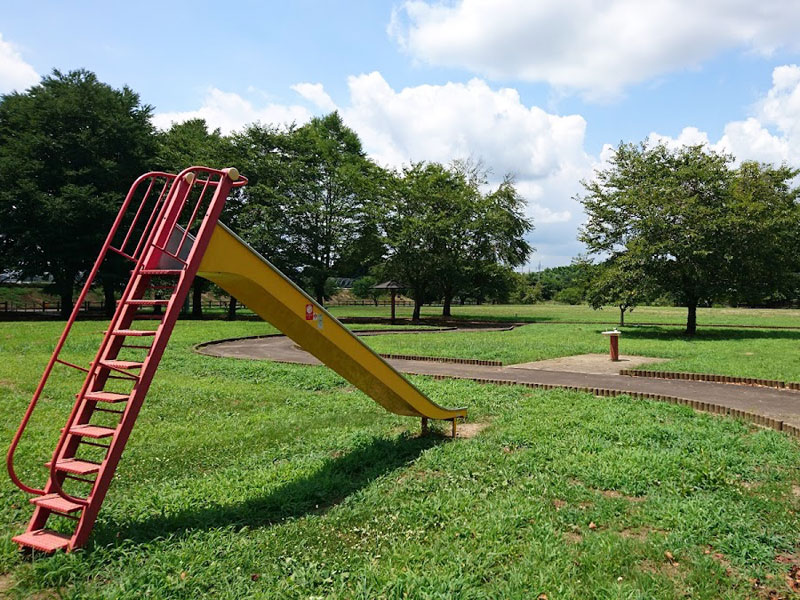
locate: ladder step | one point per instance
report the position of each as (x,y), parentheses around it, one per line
(43,539)
(161,271)
(134,332)
(92,431)
(106,396)
(73,465)
(121,364)
(147,302)
(56,503)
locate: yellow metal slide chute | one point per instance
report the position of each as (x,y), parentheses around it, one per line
(252,280)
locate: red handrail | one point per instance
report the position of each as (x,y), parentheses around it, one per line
(169,214)
(76,308)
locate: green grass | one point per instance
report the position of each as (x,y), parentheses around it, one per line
(250,479)
(769,354)
(554,313)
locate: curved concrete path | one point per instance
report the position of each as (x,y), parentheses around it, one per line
(780,408)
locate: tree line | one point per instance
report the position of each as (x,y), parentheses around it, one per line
(689,227)
(316,206)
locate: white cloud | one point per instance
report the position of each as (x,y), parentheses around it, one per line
(228,111)
(595,47)
(771,134)
(316,94)
(15,73)
(544,151)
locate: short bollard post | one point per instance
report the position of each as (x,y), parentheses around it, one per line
(613,338)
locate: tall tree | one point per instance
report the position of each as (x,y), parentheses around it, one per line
(325,206)
(686,217)
(411,227)
(446,238)
(69,149)
(187,144)
(618,282)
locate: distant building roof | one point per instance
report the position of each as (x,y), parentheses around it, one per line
(388,285)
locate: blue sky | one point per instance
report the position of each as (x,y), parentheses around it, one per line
(541,89)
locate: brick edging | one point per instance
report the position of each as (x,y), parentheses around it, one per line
(773,383)
(708,407)
(444,359)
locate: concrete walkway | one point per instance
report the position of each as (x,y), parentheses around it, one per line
(780,408)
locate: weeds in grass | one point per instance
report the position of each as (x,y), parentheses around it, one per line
(247,479)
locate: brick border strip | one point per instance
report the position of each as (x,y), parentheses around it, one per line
(444,359)
(709,407)
(772,383)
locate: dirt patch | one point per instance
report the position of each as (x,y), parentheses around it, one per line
(5,584)
(559,504)
(619,495)
(595,364)
(796,491)
(470,430)
(573,537)
(668,568)
(641,534)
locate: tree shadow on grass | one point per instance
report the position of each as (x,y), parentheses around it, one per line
(338,478)
(707,333)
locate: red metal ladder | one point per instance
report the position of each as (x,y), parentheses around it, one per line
(167,257)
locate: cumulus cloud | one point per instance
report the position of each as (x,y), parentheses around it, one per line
(594,47)
(771,134)
(15,73)
(229,111)
(544,151)
(316,94)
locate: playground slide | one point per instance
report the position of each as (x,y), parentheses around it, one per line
(251,279)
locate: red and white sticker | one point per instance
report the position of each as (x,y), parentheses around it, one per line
(309,312)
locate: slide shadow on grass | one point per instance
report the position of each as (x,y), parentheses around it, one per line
(708,333)
(338,478)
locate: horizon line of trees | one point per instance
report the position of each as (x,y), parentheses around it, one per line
(316,205)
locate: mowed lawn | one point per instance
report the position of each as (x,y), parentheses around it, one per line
(762,353)
(250,479)
(548,312)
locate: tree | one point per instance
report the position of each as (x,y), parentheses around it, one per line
(620,283)
(410,226)
(326,202)
(187,144)
(686,217)
(364,287)
(765,224)
(69,149)
(310,202)
(489,238)
(447,239)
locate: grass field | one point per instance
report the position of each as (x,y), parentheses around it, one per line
(770,354)
(248,479)
(554,313)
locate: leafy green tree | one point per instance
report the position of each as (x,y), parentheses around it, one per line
(688,219)
(411,225)
(364,287)
(188,144)
(764,227)
(325,206)
(490,240)
(311,203)
(69,149)
(446,238)
(618,282)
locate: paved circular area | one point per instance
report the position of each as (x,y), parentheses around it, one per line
(779,404)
